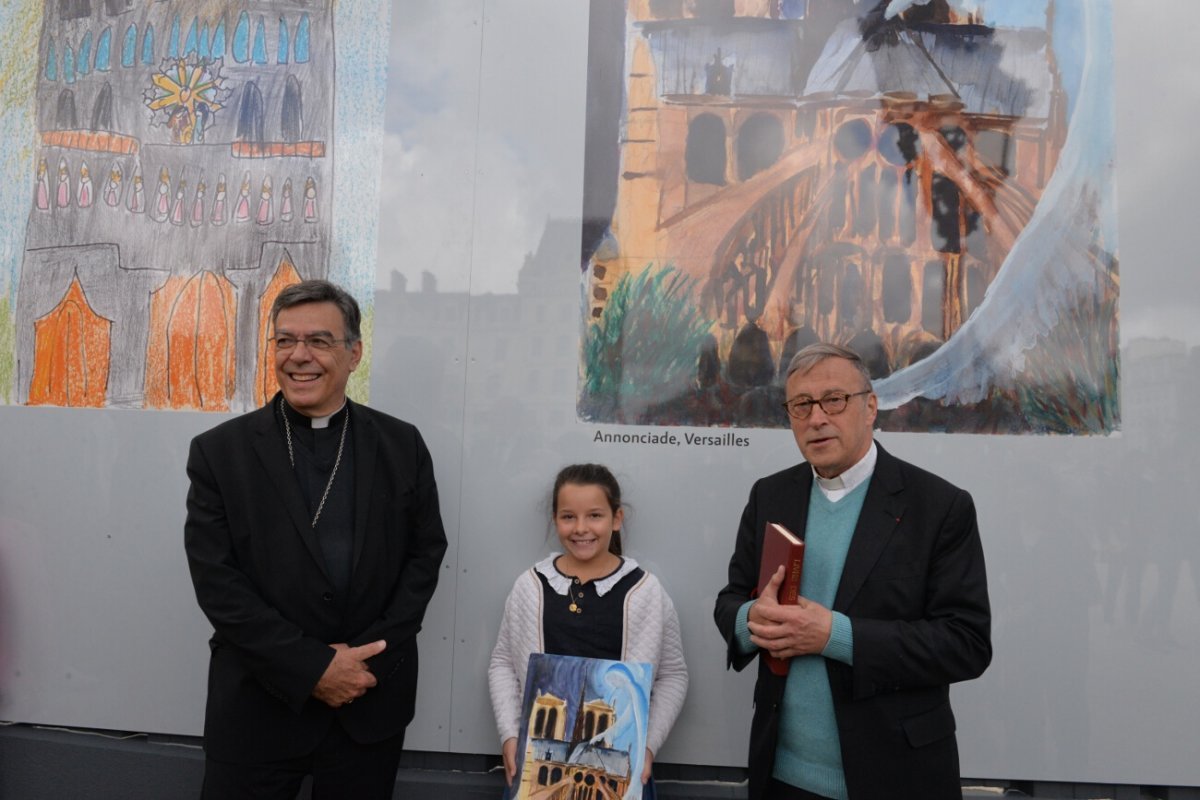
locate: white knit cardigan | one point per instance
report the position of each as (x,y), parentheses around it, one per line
(651,634)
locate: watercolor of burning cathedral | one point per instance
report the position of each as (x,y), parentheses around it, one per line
(928,183)
(181,178)
(583,729)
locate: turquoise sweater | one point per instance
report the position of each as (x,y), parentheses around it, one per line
(809,753)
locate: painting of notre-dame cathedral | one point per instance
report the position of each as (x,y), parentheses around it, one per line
(583,729)
(181,176)
(928,183)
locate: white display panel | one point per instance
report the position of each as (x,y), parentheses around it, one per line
(1092,546)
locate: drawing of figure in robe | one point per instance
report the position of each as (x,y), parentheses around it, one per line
(198,205)
(218,212)
(112,188)
(266,211)
(63,198)
(162,205)
(285,203)
(41,194)
(241,212)
(137,196)
(310,200)
(85,186)
(177,207)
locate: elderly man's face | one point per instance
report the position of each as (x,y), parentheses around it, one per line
(833,443)
(313,380)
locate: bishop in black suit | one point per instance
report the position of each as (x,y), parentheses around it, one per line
(864,712)
(314,541)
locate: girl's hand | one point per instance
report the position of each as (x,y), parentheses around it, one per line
(646,767)
(509,751)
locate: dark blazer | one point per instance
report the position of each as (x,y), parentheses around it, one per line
(915,591)
(260,578)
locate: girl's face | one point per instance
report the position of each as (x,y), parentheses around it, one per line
(585,522)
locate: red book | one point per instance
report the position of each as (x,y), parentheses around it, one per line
(781,547)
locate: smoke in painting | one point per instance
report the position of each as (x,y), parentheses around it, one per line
(583,729)
(929,183)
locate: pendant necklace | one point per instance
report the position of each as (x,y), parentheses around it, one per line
(574,608)
(287,429)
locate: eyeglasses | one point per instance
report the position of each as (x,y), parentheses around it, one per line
(315,342)
(832,404)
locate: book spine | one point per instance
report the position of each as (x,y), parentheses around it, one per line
(789,592)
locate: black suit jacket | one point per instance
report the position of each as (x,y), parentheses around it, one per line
(915,591)
(260,579)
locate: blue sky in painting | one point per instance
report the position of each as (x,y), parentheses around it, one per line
(1016,13)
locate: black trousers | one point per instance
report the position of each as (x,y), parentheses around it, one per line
(778,790)
(340,768)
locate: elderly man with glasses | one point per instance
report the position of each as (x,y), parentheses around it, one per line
(893,607)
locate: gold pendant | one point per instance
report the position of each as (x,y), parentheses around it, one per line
(574,608)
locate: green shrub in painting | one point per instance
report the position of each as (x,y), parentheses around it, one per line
(644,347)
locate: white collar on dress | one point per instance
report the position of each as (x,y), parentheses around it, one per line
(562,584)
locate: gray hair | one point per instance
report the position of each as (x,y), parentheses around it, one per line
(814,354)
(317,291)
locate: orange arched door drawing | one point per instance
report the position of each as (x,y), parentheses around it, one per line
(191,355)
(265,385)
(71,354)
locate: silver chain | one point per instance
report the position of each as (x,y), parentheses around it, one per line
(287,429)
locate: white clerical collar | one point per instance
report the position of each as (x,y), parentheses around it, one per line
(837,487)
(323,422)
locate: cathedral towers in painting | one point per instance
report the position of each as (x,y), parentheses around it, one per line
(182,177)
(582,766)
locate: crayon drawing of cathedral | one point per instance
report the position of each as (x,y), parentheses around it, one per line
(584,729)
(927,183)
(182,176)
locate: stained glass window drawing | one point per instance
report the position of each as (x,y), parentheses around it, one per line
(302,40)
(83,60)
(281,57)
(148,45)
(260,42)
(241,39)
(173,42)
(129,50)
(104,51)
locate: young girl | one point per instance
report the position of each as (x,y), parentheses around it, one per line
(587,601)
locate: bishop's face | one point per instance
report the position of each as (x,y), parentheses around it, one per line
(312,380)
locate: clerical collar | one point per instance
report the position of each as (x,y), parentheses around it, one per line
(323,422)
(837,487)
(313,422)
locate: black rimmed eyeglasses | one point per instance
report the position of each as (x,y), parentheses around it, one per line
(832,404)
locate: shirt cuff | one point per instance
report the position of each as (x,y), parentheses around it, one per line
(741,629)
(840,646)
